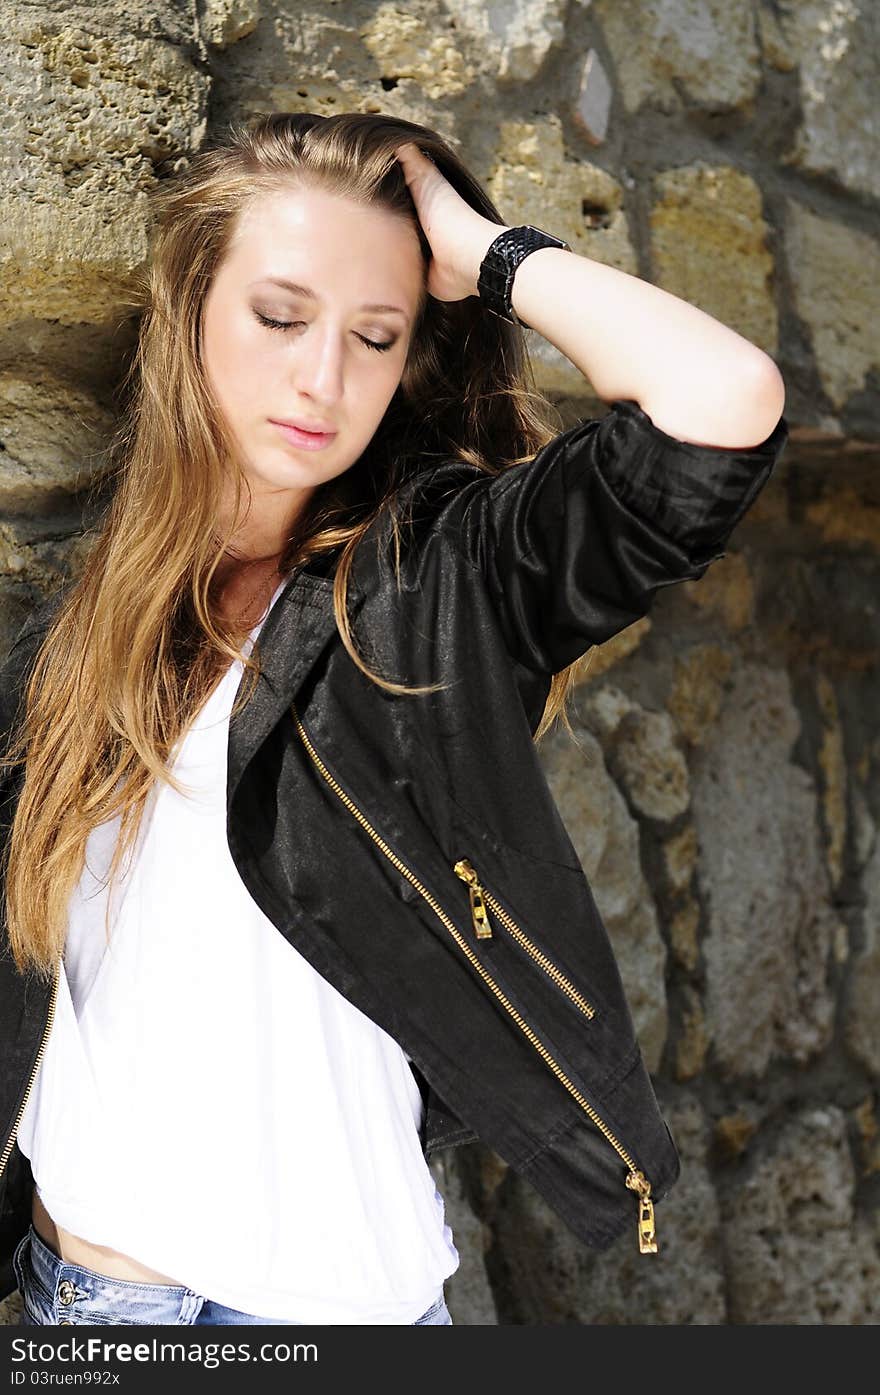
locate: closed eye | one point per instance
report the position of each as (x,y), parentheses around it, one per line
(291,324)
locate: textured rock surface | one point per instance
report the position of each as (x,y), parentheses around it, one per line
(52,434)
(836,280)
(761,865)
(606,839)
(863,1017)
(514,37)
(800,1188)
(831,46)
(709,245)
(593,107)
(701,51)
(403,42)
(224,22)
(89,111)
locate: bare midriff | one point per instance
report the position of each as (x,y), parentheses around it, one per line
(74,1250)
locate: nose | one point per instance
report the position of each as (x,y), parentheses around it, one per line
(318,371)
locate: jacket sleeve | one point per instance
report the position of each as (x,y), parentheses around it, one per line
(575,543)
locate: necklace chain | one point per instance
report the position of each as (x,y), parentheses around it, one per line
(243,612)
(275,573)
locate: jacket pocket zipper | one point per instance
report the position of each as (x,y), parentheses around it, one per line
(635,1179)
(7,1152)
(480,898)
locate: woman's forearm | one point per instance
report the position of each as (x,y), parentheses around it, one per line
(697,379)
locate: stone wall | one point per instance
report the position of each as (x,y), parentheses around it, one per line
(723,794)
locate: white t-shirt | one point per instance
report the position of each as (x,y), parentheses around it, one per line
(208,1103)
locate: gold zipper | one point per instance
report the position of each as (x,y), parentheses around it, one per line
(635,1179)
(47,1029)
(483,927)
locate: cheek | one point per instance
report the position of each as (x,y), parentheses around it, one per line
(385,385)
(234,360)
(373,403)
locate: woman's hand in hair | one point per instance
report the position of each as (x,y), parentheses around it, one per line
(458,235)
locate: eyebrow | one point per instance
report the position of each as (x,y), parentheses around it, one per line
(308,294)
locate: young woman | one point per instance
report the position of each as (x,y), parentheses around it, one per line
(289,905)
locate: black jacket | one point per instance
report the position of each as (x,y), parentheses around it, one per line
(410,847)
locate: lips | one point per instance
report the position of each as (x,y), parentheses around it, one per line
(302,437)
(314,428)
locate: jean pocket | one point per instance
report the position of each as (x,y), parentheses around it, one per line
(16,1262)
(36,1305)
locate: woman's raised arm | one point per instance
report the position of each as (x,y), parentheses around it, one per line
(696,378)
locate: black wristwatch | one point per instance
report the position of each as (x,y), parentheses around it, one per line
(495,281)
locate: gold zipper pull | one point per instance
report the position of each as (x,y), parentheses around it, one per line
(638,1182)
(479,914)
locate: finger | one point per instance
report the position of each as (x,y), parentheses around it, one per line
(410,151)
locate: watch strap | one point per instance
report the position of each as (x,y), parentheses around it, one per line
(498,267)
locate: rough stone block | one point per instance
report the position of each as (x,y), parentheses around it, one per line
(709,245)
(697,51)
(593,106)
(835,277)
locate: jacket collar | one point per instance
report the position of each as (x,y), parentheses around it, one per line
(298,628)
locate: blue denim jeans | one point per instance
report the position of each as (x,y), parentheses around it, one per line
(55,1292)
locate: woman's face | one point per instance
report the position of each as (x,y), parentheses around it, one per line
(304,352)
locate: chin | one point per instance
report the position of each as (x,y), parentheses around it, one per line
(289,472)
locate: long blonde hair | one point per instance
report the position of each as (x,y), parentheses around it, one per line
(124,666)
